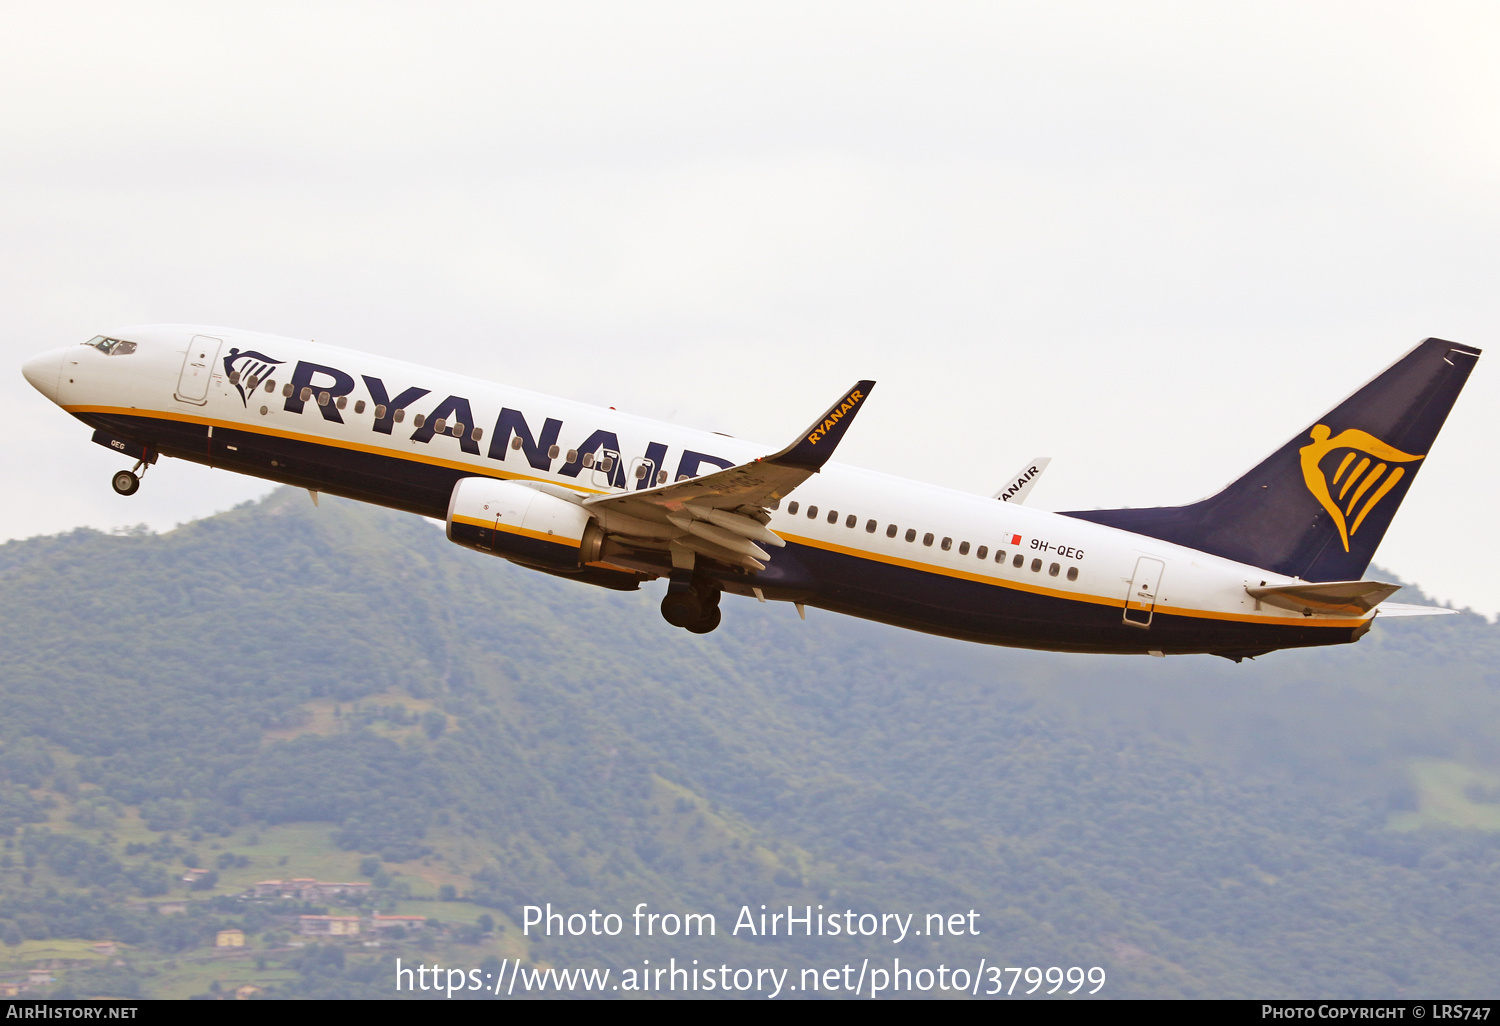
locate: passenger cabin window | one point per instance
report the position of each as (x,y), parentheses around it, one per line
(999,556)
(342,402)
(947,544)
(911,534)
(812,512)
(661,477)
(792,507)
(1053,570)
(981,552)
(890,532)
(380,413)
(286,389)
(552,450)
(774,504)
(271,386)
(870,526)
(323,398)
(1019,561)
(305,394)
(572,456)
(963,548)
(419,420)
(927,538)
(588,459)
(851,521)
(359,406)
(477,434)
(1072,573)
(833,516)
(1036,566)
(399,416)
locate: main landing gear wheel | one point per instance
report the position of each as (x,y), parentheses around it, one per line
(709,621)
(126,483)
(692,606)
(682,607)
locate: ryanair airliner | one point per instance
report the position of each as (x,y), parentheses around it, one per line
(1273,561)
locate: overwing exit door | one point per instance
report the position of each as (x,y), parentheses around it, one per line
(1140,601)
(607,469)
(197,368)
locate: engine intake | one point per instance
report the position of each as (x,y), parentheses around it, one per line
(522,524)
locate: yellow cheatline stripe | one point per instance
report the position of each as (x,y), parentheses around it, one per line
(480,470)
(487,471)
(1056,593)
(490,525)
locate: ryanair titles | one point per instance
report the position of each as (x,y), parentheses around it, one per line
(328,389)
(820,432)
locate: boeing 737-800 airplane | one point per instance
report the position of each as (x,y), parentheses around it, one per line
(1273,561)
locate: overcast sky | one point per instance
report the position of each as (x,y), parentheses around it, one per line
(1153,241)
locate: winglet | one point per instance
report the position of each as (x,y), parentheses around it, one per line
(1019,486)
(823,435)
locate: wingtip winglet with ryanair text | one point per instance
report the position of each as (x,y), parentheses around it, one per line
(1272,561)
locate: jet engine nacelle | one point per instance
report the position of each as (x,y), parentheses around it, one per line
(522,524)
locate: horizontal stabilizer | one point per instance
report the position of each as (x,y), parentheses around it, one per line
(1351,597)
(1407,609)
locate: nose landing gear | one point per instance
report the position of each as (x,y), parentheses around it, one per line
(128,482)
(692,604)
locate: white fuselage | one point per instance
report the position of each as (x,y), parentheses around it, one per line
(177,378)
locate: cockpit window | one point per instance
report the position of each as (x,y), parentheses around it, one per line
(111,346)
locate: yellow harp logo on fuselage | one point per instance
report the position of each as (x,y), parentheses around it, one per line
(1361,481)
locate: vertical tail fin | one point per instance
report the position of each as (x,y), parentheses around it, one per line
(1318,506)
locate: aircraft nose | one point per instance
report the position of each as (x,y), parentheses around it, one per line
(43,372)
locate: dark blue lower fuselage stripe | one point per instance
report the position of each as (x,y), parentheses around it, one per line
(903,596)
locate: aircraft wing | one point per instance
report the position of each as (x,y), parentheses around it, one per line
(725,512)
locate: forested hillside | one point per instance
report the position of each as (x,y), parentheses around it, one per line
(287,690)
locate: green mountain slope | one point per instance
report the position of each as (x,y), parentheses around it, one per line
(320,686)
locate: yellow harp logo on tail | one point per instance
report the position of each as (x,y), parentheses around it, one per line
(1353,476)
